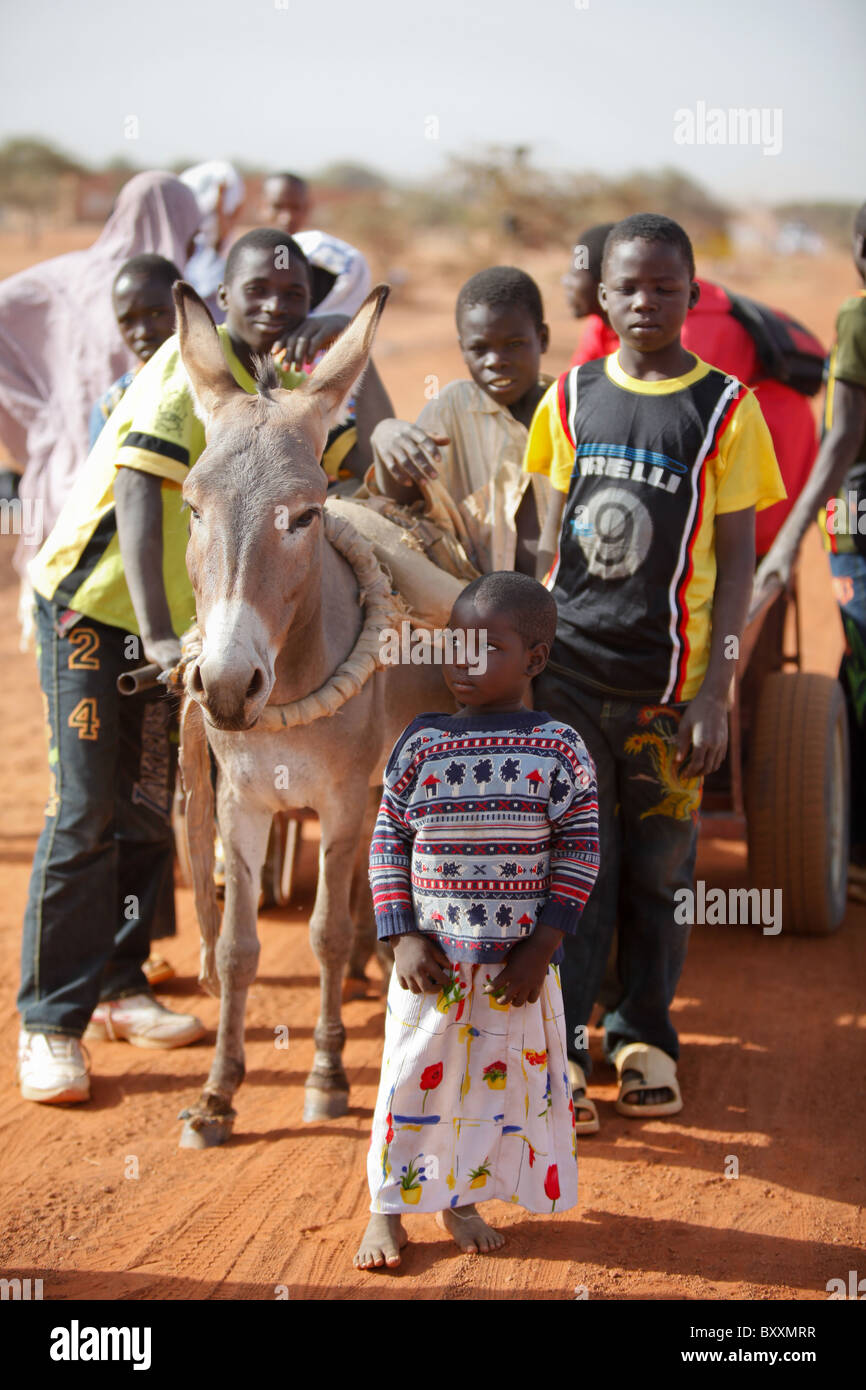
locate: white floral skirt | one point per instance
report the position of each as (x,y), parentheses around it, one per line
(474,1100)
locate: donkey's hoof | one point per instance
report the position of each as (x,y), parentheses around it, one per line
(205,1131)
(324,1105)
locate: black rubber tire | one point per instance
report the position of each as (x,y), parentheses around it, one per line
(797,799)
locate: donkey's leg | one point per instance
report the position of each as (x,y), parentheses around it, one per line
(327,1094)
(244,834)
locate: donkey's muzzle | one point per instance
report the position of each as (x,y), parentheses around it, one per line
(232,699)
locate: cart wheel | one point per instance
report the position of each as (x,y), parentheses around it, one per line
(278,870)
(797,799)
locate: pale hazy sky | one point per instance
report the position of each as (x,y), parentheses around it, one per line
(588,84)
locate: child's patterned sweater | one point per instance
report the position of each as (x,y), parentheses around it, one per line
(488,825)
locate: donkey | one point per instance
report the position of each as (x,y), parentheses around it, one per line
(279,610)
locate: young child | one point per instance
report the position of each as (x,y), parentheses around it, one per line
(581,283)
(473,436)
(113,570)
(661,460)
(484,854)
(340,281)
(144,309)
(286,202)
(712,333)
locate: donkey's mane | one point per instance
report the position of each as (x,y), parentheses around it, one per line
(266,375)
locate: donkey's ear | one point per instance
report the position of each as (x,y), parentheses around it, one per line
(333,379)
(200,351)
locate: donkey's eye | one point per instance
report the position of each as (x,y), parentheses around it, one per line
(305,519)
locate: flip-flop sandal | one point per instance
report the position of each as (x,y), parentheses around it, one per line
(582,1103)
(656,1071)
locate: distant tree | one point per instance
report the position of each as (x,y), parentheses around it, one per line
(119,164)
(30,171)
(358,177)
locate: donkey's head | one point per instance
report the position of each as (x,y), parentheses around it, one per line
(256,497)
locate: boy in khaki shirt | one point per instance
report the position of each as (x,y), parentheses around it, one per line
(472,437)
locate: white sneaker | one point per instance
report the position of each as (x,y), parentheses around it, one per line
(142,1020)
(52,1068)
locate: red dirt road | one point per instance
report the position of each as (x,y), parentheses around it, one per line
(98,1201)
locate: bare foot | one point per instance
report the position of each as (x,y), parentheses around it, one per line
(470,1230)
(381,1243)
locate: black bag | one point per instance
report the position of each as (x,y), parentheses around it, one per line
(788,352)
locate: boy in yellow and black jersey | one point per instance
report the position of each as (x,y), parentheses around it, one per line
(660,461)
(111,585)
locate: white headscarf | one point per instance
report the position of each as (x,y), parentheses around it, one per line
(208,181)
(346,262)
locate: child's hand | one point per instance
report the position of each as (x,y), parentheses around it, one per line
(521,979)
(408,453)
(704,726)
(421,966)
(313,336)
(163,652)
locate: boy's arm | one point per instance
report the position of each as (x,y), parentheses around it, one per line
(372,405)
(704,725)
(551,452)
(138,501)
(420,964)
(312,337)
(403,453)
(391,868)
(548,541)
(836,455)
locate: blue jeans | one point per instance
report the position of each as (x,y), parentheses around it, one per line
(648,836)
(849,586)
(102,872)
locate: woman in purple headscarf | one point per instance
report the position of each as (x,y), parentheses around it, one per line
(60,346)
